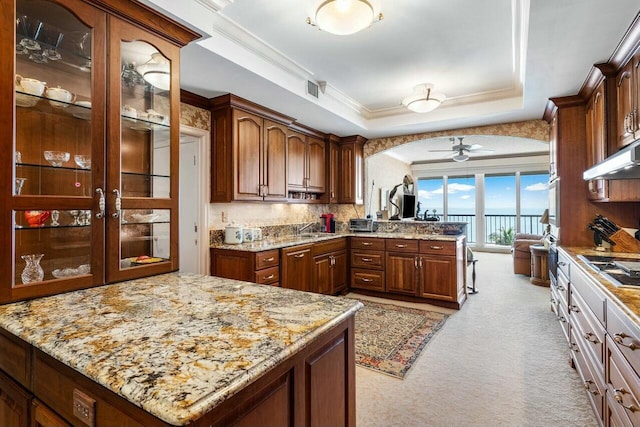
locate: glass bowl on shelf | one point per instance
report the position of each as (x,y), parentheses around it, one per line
(56,158)
(61,273)
(83,161)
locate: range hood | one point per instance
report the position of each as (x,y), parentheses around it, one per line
(625,164)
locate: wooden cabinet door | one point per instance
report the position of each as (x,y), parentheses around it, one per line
(624,89)
(247,143)
(334,172)
(438,277)
(297,266)
(42,416)
(316,166)
(339,272)
(351,172)
(402,273)
(275,161)
(296,155)
(14,403)
(553,148)
(322,274)
(596,139)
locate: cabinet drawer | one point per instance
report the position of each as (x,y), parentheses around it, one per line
(623,384)
(367,259)
(587,290)
(15,357)
(564,263)
(437,247)
(370,243)
(563,289)
(367,279)
(563,318)
(402,245)
(333,245)
(61,388)
(591,332)
(268,276)
(624,335)
(267,259)
(591,381)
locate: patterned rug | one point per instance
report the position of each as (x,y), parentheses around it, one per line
(390,338)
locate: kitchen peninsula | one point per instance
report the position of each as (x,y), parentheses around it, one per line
(182,349)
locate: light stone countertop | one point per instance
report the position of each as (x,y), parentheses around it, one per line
(308,238)
(176,345)
(628,299)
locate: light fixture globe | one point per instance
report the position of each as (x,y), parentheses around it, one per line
(344,17)
(156,71)
(460,157)
(423,99)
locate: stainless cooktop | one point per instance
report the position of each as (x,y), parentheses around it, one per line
(622,272)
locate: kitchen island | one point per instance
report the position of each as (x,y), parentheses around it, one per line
(183,349)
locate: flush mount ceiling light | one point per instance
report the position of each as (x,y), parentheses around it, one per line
(423,99)
(460,157)
(156,71)
(343,17)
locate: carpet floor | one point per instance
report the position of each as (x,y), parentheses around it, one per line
(500,361)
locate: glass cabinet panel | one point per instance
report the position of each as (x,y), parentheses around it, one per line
(144,236)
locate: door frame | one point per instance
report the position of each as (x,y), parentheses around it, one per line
(204,183)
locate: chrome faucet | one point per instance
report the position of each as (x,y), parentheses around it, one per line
(304,227)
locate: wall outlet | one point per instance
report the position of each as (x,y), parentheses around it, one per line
(224,217)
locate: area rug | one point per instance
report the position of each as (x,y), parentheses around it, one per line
(389,338)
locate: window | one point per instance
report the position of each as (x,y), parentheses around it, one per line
(461,202)
(500,208)
(431,197)
(534,199)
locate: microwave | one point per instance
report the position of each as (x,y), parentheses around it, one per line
(362,224)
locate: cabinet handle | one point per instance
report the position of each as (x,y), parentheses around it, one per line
(118,204)
(271,276)
(269,259)
(561,288)
(399,245)
(562,319)
(420,262)
(299,256)
(101,203)
(552,300)
(619,338)
(436,247)
(367,259)
(591,337)
(618,395)
(587,386)
(332,261)
(574,347)
(562,263)
(574,308)
(415,263)
(367,243)
(365,280)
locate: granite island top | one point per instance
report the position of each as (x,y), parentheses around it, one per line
(176,345)
(308,238)
(627,298)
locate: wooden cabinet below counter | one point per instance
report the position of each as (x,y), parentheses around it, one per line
(258,267)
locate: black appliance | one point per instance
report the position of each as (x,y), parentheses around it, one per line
(553,263)
(622,272)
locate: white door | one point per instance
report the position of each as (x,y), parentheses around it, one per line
(189,205)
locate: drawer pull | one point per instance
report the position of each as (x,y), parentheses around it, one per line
(574,347)
(587,386)
(562,263)
(398,245)
(619,338)
(574,308)
(269,259)
(299,256)
(591,337)
(618,395)
(367,243)
(365,280)
(271,276)
(561,288)
(438,248)
(367,259)
(562,319)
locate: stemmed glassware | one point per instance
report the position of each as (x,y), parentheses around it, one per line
(75,215)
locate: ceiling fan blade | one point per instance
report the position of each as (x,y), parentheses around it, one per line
(443,151)
(483,151)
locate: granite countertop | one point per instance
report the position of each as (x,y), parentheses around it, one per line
(308,238)
(628,299)
(175,345)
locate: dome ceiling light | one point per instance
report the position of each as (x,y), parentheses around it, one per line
(423,99)
(156,71)
(344,17)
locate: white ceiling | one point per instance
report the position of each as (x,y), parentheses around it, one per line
(497,61)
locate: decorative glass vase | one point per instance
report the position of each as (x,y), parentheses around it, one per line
(32,271)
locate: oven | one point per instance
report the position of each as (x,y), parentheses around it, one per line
(553,263)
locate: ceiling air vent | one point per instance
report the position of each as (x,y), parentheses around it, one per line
(312,88)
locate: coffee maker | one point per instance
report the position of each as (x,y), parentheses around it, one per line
(328,223)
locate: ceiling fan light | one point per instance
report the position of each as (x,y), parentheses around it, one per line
(344,17)
(460,158)
(423,100)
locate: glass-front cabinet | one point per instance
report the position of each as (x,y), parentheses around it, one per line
(89,127)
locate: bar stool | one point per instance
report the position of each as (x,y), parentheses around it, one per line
(472,260)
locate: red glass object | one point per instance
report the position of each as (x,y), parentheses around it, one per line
(36,218)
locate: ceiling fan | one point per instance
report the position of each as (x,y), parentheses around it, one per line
(459,150)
